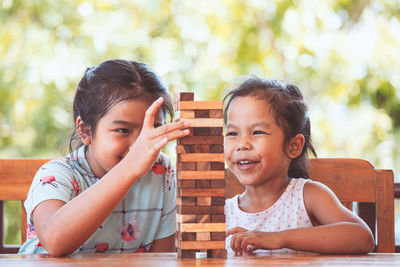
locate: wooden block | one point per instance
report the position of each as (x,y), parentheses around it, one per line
(201,131)
(200,148)
(208,175)
(202,227)
(191,105)
(185,253)
(201,244)
(203,157)
(216,131)
(201,192)
(186,166)
(203,166)
(216,113)
(203,201)
(186,183)
(188,218)
(202,237)
(200,210)
(205,218)
(187,201)
(217,166)
(217,253)
(218,218)
(216,149)
(204,140)
(187,236)
(184,114)
(191,133)
(186,96)
(204,122)
(218,236)
(180,149)
(203,113)
(218,183)
(203,184)
(218,201)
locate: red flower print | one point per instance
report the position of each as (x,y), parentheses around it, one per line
(76,187)
(101,247)
(48,180)
(159,168)
(128,233)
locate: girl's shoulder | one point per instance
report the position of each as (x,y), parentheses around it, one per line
(73,164)
(315,188)
(318,194)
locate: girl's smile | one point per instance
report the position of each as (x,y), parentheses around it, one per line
(254,143)
(246,164)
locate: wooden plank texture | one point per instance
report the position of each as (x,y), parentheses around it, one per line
(201,157)
(201,175)
(203,122)
(192,105)
(202,227)
(200,244)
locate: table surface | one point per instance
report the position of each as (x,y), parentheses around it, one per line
(170,259)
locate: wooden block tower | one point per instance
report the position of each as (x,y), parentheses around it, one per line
(201,179)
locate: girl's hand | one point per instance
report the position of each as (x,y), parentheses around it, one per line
(248,241)
(144,151)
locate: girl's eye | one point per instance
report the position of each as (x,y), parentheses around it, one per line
(259,132)
(122,130)
(231,134)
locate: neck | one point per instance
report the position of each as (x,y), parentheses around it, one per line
(260,197)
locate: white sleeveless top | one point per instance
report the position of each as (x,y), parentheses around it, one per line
(288,212)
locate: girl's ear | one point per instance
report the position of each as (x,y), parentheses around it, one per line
(83,131)
(295,146)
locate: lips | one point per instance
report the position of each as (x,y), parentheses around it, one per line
(246,164)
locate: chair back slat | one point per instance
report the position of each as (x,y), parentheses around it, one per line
(16,176)
(350,179)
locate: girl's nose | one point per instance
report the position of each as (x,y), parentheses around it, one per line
(243,144)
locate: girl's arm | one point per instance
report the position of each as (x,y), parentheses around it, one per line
(340,230)
(64,227)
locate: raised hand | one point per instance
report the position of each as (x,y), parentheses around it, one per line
(144,151)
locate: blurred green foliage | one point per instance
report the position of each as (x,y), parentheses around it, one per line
(343,54)
(12,224)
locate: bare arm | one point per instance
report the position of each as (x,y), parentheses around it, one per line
(64,227)
(340,231)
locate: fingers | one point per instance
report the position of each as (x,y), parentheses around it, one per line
(170,131)
(235,230)
(151,113)
(242,241)
(170,127)
(158,146)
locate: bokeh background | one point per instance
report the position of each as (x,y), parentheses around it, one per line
(344,55)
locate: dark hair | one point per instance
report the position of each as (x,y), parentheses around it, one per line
(111,82)
(289,110)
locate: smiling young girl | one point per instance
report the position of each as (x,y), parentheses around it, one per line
(266,145)
(116,191)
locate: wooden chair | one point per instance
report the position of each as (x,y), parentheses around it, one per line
(16,176)
(353,180)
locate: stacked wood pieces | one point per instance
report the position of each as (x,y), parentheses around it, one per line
(201,179)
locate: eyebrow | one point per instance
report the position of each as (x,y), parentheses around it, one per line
(262,124)
(124,123)
(256,124)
